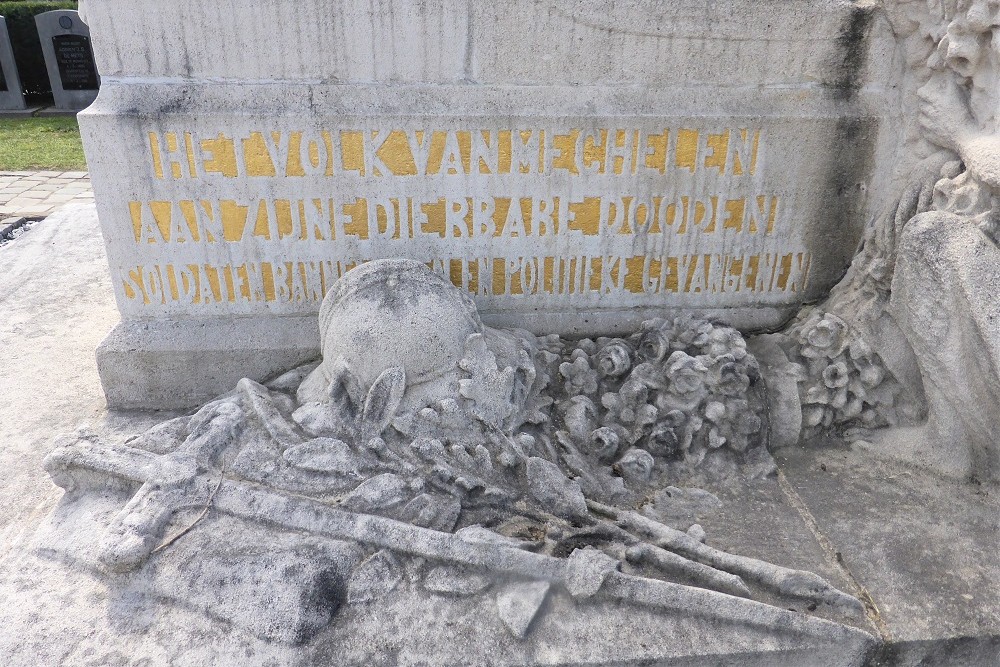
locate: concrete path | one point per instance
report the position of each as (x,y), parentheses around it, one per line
(31,194)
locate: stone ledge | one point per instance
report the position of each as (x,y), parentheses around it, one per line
(181,364)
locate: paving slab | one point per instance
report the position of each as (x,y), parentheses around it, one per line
(40,193)
(924,546)
(55,309)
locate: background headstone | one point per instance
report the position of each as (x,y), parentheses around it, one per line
(69,58)
(10,83)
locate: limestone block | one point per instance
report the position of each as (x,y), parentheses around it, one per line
(172,365)
(11,96)
(69,58)
(567,193)
(250,200)
(448,41)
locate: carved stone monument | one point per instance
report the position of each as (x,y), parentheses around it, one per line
(11,96)
(430,457)
(478,313)
(69,58)
(567,195)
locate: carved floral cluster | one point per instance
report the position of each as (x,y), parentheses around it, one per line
(674,391)
(607,413)
(842,381)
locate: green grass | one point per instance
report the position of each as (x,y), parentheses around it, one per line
(48,144)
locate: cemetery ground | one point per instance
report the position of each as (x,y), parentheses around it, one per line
(42,168)
(41,143)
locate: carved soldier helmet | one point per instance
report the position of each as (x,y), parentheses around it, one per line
(396,313)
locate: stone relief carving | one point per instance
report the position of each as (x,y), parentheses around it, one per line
(429,449)
(880,351)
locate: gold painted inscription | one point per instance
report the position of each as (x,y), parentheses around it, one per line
(400,153)
(518,213)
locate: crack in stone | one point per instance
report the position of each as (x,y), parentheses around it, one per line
(834,557)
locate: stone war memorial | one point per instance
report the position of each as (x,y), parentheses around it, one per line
(524,333)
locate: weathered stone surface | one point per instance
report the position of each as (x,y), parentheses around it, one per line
(62,616)
(11,96)
(553,490)
(178,365)
(905,344)
(519,603)
(244,185)
(439,481)
(469,426)
(924,547)
(69,58)
(436,49)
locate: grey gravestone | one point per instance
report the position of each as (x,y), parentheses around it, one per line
(10,84)
(69,58)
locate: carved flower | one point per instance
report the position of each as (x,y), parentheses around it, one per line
(870,369)
(649,375)
(636,465)
(580,377)
(654,345)
(605,443)
(615,359)
(852,409)
(629,405)
(689,331)
(685,374)
(816,415)
(836,375)
(816,395)
(580,416)
(826,338)
(722,341)
(686,386)
(670,438)
(732,380)
(715,411)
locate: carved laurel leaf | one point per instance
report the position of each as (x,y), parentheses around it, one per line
(489,388)
(383,399)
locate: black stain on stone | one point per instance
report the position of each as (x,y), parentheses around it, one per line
(849,166)
(852,53)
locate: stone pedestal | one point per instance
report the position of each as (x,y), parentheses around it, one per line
(579,191)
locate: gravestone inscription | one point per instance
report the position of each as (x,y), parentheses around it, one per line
(75,60)
(10,84)
(69,58)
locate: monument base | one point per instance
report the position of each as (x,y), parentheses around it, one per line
(175,365)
